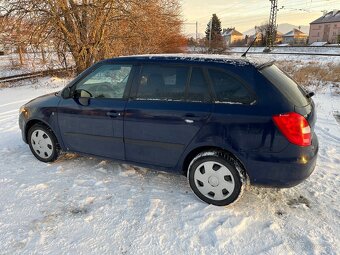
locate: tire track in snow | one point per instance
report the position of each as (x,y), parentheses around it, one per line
(16,102)
(8,112)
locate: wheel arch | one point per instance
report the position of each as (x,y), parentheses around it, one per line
(32,122)
(193,153)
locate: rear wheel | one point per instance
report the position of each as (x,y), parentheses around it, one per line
(43,143)
(214,178)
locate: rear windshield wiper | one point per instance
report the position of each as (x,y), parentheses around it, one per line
(261,66)
(310,94)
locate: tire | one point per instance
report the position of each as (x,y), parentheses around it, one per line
(43,143)
(215,179)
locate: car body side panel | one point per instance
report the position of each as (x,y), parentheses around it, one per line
(157,132)
(43,109)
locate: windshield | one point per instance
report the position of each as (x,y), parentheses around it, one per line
(287,86)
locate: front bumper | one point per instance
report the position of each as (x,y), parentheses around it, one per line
(285,169)
(22,124)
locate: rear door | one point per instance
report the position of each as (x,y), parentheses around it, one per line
(170,105)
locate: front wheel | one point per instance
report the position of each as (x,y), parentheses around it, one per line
(214,178)
(43,143)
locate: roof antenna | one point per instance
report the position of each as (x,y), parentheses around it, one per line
(251,45)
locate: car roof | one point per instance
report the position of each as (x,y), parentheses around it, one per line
(191,58)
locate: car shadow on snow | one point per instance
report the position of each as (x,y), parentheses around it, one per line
(162,185)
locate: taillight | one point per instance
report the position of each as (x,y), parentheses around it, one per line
(294,127)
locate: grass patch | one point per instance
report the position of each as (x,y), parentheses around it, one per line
(311,74)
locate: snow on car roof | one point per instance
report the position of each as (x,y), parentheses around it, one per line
(227,59)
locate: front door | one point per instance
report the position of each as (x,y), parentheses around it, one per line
(171,105)
(92,121)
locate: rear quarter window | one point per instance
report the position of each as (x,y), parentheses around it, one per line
(286,85)
(229,89)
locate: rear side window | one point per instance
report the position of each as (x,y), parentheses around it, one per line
(288,87)
(229,89)
(162,82)
(198,87)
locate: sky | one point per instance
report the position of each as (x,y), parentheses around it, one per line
(244,15)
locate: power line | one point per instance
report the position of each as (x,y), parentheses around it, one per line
(296,4)
(272,25)
(290,9)
(228,8)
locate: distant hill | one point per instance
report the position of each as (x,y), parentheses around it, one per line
(283,28)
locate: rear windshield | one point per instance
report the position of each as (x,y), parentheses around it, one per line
(288,87)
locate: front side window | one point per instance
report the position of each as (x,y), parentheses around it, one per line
(229,89)
(162,82)
(108,81)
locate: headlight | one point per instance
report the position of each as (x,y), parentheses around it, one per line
(23,110)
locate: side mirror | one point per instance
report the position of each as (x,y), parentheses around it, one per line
(82,97)
(84,93)
(67,93)
(84,101)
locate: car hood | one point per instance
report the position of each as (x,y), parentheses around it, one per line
(48,99)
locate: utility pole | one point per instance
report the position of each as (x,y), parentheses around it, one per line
(211,21)
(196,24)
(271,34)
(196,31)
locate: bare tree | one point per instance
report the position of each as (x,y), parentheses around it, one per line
(262,31)
(92,30)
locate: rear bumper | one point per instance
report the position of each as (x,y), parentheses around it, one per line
(285,169)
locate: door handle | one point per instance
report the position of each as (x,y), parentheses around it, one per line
(113,114)
(190,118)
(193,116)
(189,121)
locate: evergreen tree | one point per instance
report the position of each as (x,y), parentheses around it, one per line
(216,28)
(217,44)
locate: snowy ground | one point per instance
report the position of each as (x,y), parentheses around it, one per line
(83,205)
(289,49)
(277,49)
(9,64)
(322,60)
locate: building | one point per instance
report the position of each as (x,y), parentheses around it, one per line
(231,36)
(251,38)
(261,38)
(279,37)
(326,28)
(295,37)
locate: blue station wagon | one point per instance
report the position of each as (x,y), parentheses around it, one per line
(220,121)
